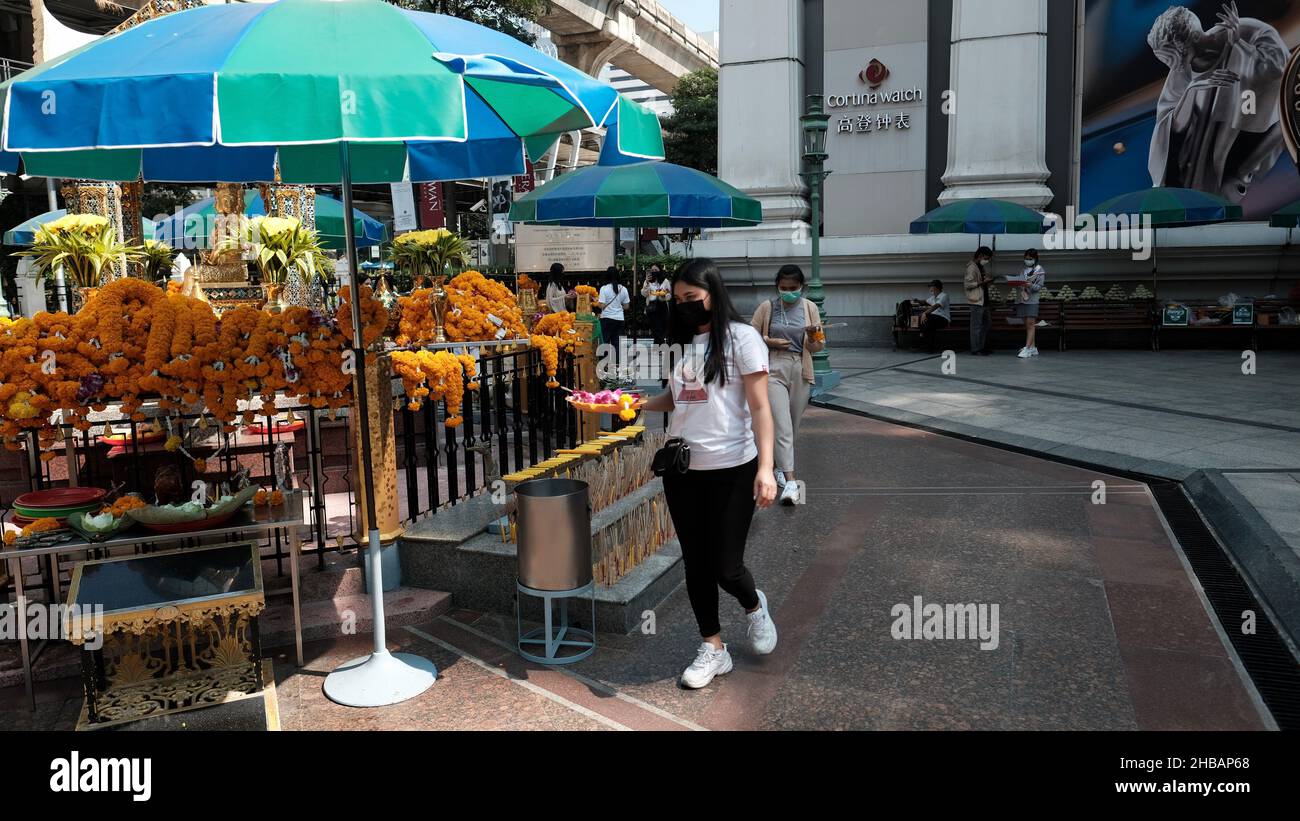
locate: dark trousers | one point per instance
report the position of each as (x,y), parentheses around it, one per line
(610,332)
(711,511)
(930,328)
(980,320)
(658,320)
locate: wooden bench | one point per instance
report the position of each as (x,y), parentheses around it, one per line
(1267,327)
(1009,329)
(1208,322)
(955,337)
(1089,321)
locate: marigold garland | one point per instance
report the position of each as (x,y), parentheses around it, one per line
(435,375)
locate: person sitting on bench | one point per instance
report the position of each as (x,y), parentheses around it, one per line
(936,317)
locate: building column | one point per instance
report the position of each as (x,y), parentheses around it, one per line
(997,131)
(760,100)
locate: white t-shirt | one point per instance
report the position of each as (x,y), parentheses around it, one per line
(613,300)
(713,419)
(944,310)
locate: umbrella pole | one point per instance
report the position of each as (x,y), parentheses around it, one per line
(380,678)
(636,261)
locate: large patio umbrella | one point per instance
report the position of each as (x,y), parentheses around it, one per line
(981,216)
(24,233)
(342,91)
(641,195)
(190,227)
(1166,208)
(1287,217)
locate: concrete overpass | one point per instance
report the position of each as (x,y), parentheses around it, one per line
(638,36)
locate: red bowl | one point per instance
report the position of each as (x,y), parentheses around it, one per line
(61,497)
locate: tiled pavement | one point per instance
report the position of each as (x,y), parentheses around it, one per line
(1101,626)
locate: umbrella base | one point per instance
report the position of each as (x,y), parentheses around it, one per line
(380,679)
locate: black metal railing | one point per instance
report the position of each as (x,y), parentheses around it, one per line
(511,422)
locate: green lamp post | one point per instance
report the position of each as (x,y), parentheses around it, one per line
(815,127)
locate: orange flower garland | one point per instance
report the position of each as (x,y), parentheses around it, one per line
(480,309)
(416,325)
(436,375)
(553,333)
(527,283)
(374,316)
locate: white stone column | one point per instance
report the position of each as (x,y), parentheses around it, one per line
(760,100)
(997,135)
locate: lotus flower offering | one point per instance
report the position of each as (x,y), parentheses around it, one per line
(625,405)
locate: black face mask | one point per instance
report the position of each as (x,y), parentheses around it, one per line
(691,315)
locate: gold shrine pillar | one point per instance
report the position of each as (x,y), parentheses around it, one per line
(103,199)
(383,453)
(298,201)
(584,374)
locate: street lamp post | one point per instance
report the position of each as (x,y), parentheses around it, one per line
(815,127)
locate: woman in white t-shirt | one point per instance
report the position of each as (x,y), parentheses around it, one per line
(613,298)
(718,399)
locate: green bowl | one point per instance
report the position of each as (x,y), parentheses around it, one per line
(55,512)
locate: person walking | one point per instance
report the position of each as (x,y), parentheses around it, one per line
(555,290)
(613,298)
(657,292)
(718,399)
(936,317)
(789,325)
(1027,302)
(977,282)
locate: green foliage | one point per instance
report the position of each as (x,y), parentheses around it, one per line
(164,198)
(506,16)
(691,134)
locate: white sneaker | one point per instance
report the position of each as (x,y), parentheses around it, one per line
(790,494)
(1024,353)
(1043,323)
(762,630)
(1033,351)
(780,479)
(708,664)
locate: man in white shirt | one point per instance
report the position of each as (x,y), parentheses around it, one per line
(936,317)
(613,298)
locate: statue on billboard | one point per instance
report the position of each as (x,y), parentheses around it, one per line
(1218,123)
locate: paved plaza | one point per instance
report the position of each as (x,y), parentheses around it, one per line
(1100,624)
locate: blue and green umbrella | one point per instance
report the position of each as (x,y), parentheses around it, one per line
(644,195)
(1287,217)
(24,233)
(190,227)
(224,93)
(1164,208)
(981,216)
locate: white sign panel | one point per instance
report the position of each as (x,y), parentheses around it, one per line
(577,249)
(403,207)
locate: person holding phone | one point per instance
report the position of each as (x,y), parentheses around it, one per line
(790,325)
(1027,301)
(977,282)
(718,398)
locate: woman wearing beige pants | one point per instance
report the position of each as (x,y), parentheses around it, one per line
(791,327)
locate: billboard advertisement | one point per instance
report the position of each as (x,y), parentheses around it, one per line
(1187,95)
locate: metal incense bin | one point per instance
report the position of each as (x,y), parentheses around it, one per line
(555,566)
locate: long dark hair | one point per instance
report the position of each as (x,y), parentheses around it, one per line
(703,273)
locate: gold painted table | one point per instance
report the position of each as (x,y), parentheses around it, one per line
(177,631)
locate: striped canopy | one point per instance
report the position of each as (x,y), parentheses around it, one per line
(220,93)
(1170,207)
(646,195)
(24,233)
(981,216)
(191,227)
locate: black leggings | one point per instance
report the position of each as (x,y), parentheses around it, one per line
(711,511)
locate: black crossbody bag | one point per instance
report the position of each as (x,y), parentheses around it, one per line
(673,457)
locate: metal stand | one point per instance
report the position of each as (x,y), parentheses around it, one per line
(553,637)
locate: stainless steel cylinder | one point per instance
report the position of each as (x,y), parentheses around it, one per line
(554,534)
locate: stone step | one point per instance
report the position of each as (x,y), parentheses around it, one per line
(328,618)
(342,576)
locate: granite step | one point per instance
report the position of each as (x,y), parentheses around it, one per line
(349,615)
